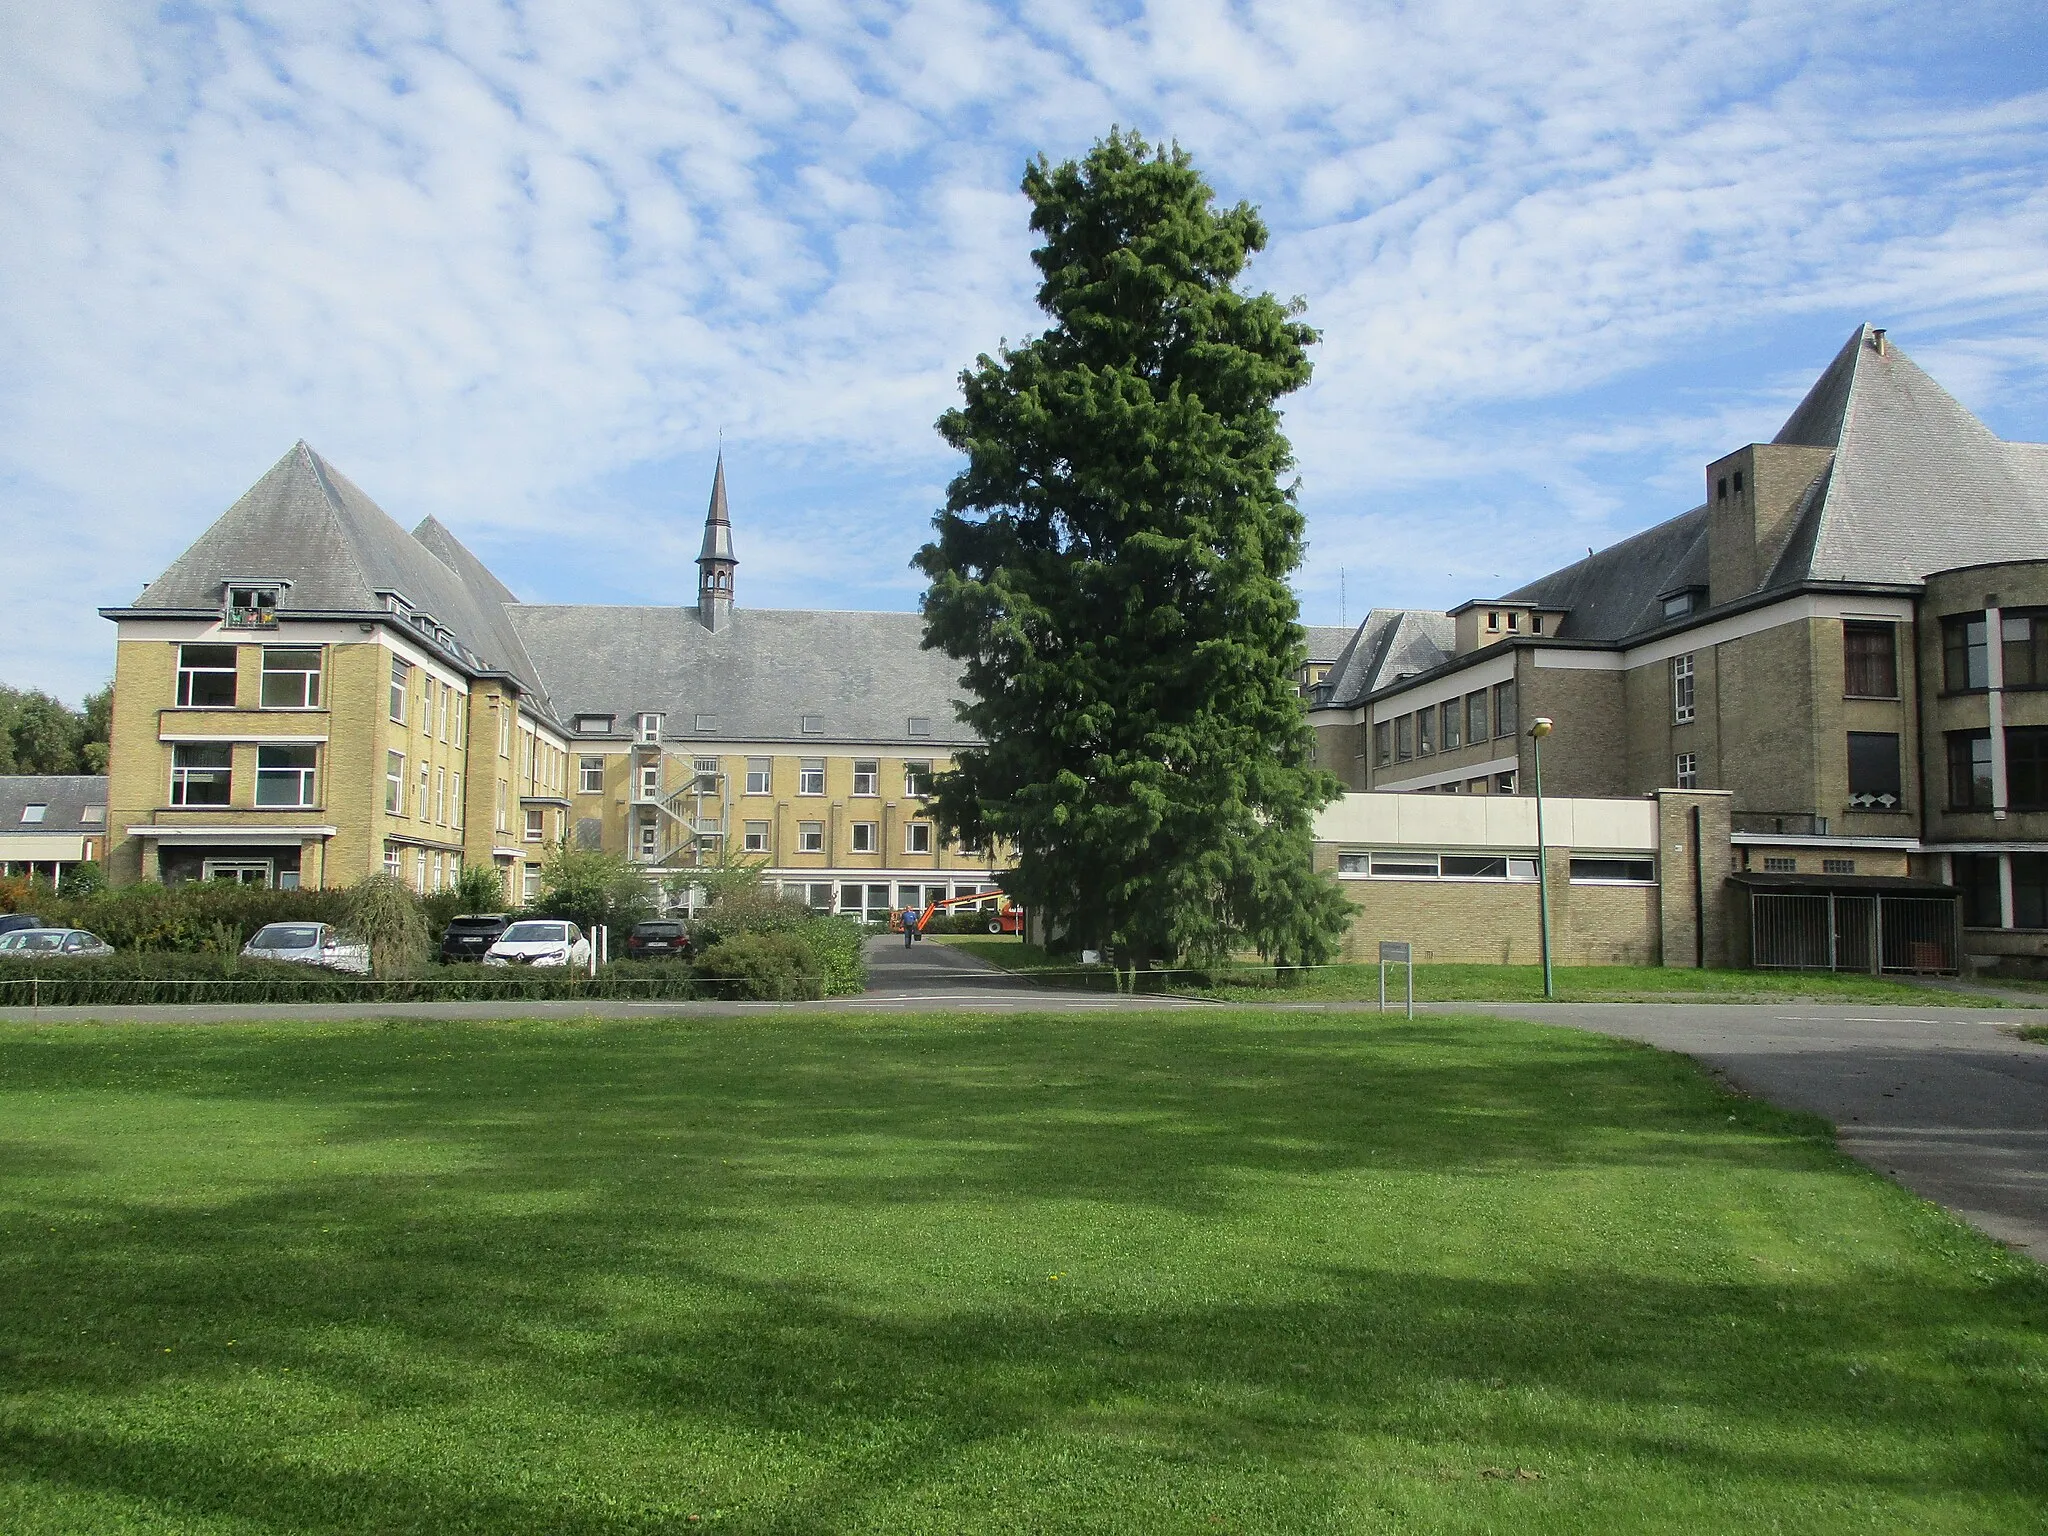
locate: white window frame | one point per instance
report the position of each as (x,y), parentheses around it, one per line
(303,782)
(455,800)
(441,796)
(535,827)
(650,781)
(394,783)
(917,837)
(184,776)
(309,681)
(1685,770)
(760,775)
(401,688)
(864,836)
(754,837)
(590,775)
(867,777)
(33,813)
(810,776)
(1683,707)
(917,779)
(187,673)
(810,837)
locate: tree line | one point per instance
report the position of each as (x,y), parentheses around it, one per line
(39,734)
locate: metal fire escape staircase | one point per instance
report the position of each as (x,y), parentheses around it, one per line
(689,823)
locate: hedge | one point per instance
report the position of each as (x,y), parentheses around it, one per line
(175,978)
(768,967)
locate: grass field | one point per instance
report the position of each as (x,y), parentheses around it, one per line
(1223,1272)
(1493,983)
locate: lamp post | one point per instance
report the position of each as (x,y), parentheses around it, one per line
(1539,729)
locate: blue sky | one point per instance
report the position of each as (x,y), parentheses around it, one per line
(518,266)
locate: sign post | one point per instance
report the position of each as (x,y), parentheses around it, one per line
(1402,953)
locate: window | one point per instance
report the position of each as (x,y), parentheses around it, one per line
(1838,866)
(810,776)
(1504,783)
(1504,708)
(1686,770)
(392,865)
(2024,634)
(504,730)
(421,804)
(707,722)
(1681,689)
(1964,661)
(1781,866)
(31,814)
(647,729)
(590,775)
(284,775)
(455,799)
(919,725)
(1678,605)
(2029,890)
(206,676)
(706,769)
(1410,865)
(291,678)
(1873,771)
(93,815)
(650,839)
(812,725)
(1514,622)
(441,796)
(1969,770)
(594,725)
(444,695)
(1382,744)
(810,837)
(917,837)
(1430,866)
(1721,489)
(530,884)
(1425,733)
(536,824)
(650,781)
(394,783)
(200,774)
(251,607)
(1475,717)
(865,839)
(760,775)
(2026,767)
(1976,876)
(1353,863)
(917,780)
(1870,668)
(1404,738)
(1493,621)
(1610,871)
(503,824)
(1452,716)
(754,837)
(867,777)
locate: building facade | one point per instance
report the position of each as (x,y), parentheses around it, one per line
(310,693)
(51,822)
(1845,637)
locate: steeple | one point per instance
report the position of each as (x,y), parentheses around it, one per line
(716,562)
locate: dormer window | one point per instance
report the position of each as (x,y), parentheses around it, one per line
(1514,622)
(1678,604)
(32,814)
(647,729)
(1493,621)
(1535,623)
(594,725)
(251,605)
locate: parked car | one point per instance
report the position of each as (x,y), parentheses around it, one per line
(540,941)
(658,939)
(14,920)
(308,944)
(470,936)
(42,943)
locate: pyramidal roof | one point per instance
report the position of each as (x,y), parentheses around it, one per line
(717,522)
(1918,484)
(306,523)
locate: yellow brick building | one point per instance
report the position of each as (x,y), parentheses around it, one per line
(311,693)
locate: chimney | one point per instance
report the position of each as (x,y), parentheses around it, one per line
(1754,497)
(715,562)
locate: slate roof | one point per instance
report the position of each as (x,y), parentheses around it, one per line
(1619,591)
(67,796)
(307,523)
(1326,642)
(1390,643)
(759,673)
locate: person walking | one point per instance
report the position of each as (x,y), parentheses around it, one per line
(909,926)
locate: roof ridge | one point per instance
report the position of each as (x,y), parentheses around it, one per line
(339,513)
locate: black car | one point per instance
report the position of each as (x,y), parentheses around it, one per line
(658,939)
(468,937)
(13,920)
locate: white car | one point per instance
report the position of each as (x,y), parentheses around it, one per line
(540,941)
(52,943)
(308,944)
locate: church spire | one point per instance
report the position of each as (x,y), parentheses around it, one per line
(716,562)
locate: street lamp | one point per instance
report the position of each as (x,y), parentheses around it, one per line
(1539,729)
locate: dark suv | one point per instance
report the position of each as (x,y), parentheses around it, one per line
(468,937)
(658,939)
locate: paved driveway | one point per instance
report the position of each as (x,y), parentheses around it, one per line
(1949,1101)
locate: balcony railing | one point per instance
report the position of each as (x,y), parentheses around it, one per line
(1780,823)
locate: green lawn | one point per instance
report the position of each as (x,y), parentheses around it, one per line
(1491,983)
(1221,1272)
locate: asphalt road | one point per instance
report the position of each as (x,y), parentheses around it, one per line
(1948,1101)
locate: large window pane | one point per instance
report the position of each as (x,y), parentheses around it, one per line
(1874,770)
(200,774)
(1964,662)
(291,678)
(206,676)
(1977,878)
(2025,637)
(1870,661)
(1969,770)
(284,775)
(2026,767)
(2030,890)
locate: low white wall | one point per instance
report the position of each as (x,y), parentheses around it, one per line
(1498,822)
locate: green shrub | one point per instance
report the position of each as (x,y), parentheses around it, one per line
(748,910)
(186,919)
(84,879)
(840,947)
(589,887)
(766,967)
(382,913)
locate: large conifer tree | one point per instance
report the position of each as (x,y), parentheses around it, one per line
(1111,569)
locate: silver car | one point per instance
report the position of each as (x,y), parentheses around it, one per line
(308,944)
(46,943)
(547,941)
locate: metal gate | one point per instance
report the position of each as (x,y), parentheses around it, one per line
(1837,931)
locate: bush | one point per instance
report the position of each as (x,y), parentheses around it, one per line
(840,947)
(84,879)
(383,914)
(589,887)
(766,967)
(188,919)
(144,977)
(834,942)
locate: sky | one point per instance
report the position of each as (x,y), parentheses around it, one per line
(523,266)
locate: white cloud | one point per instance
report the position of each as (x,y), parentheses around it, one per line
(497,260)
